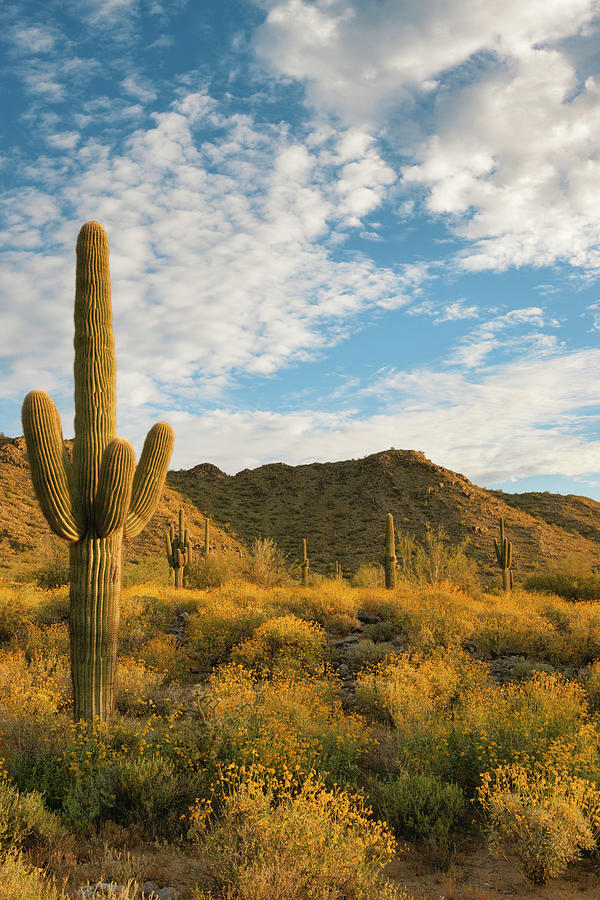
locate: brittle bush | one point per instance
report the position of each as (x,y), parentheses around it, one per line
(270,699)
(540,820)
(285,835)
(285,721)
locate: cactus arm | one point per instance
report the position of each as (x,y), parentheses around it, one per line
(50,468)
(149,478)
(114,487)
(508,554)
(95,366)
(390,553)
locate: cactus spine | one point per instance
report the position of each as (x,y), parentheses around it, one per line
(206,536)
(179,550)
(305,564)
(503,549)
(390,553)
(103,496)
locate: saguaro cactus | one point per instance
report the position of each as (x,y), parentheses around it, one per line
(206,536)
(179,550)
(338,571)
(102,496)
(390,553)
(503,549)
(305,564)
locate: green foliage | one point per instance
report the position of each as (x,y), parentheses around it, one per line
(213,571)
(264,564)
(571,578)
(54,572)
(420,807)
(369,575)
(436,559)
(25,821)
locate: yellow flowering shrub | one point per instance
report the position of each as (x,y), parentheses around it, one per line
(288,720)
(165,655)
(281,834)
(541,821)
(286,643)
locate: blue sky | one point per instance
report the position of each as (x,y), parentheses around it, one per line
(335,226)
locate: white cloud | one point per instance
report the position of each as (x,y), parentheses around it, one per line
(218,259)
(142,92)
(507,153)
(523,418)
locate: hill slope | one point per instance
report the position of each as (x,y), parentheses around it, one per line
(25,537)
(340,508)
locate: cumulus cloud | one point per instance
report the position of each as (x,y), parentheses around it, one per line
(219,253)
(507,150)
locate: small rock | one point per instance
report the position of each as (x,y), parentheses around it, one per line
(343,669)
(367,618)
(150,887)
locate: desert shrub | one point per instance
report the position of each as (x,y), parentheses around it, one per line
(286,643)
(36,688)
(322,605)
(420,808)
(54,572)
(543,720)
(571,578)
(437,620)
(166,656)
(413,688)
(49,641)
(540,822)
(382,631)
(18,878)
(342,624)
(217,626)
(369,575)
(25,821)
(436,559)
(288,836)
(213,571)
(368,653)
(138,687)
(591,681)
(287,721)
(264,564)
(146,792)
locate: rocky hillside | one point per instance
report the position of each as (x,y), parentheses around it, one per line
(340,508)
(25,537)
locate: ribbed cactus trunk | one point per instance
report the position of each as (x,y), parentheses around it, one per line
(503,549)
(206,536)
(390,553)
(179,550)
(102,496)
(305,564)
(94,624)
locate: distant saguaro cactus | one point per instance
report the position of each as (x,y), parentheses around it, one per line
(503,549)
(305,564)
(390,553)
(179,550)
(206,536)
(102,496)
(338,571)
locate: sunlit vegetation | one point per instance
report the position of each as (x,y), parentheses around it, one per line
(291,740)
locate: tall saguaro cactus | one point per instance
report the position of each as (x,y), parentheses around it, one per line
(102,496)
(305,564)
(503,549)
(179,551)
(390,553)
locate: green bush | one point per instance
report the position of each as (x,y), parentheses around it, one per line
(54,572)
(369,575)
(420,808)
(436,559)
(212,571)
(264,564)
(571,578)
(24,819)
